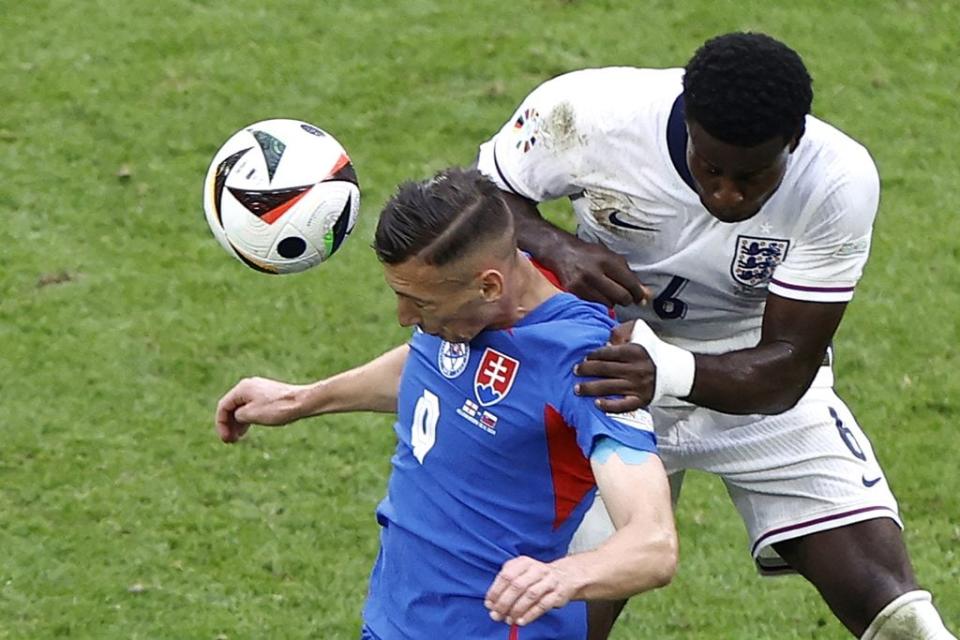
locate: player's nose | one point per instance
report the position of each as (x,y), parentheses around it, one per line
(407,314)
(725,194)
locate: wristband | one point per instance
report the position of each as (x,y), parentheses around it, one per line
(676,367)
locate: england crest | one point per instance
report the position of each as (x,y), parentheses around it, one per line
(495,375)
(453,358)
(755,259)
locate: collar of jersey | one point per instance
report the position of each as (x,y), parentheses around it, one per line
(546,309)
(677,142)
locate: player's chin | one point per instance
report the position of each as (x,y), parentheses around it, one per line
(730,216)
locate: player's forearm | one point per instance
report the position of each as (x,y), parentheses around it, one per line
(767,379)
(370,387)
(535,235)
(633,560)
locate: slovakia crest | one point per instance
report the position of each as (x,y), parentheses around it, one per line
(755,259)
(453,358)
(495,375)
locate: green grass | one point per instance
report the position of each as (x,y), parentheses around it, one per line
(122,321)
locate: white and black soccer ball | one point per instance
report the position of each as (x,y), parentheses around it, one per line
(281,196)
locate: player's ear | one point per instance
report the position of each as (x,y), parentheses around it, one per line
(491,285)
(795,141)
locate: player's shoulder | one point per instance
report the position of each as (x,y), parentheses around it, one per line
(564,328)
(834,153)
(618,77)
(610,89)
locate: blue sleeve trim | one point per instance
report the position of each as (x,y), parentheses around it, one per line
(606,447)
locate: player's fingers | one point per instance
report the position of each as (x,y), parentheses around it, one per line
(533,602)
(550,601)
(609,289)
(247,413)
(241,430)
(621,405)
(231,430)
(500,583)
(605,387)
(614,353)
(619,272)
(225,421)
(509,586)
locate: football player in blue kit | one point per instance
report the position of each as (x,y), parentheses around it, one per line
(497,459)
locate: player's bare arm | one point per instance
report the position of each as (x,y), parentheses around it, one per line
(768,378)
(368,387)
(588,270)
(640,556)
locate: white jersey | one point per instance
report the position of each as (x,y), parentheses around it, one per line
(613,140)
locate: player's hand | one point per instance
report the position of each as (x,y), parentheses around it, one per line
(256,400)
(623,368)
(525,589)
(593,272)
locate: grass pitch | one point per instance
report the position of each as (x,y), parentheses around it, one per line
(122,321)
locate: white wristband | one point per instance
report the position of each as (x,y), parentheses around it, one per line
(676,367)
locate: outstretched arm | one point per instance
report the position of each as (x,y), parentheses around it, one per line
(640,556)
(369,387)
(768,378)
(585,269)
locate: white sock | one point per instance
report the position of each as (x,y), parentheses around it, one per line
(912,616)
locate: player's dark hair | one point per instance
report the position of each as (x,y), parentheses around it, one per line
(441,219)
(746,88)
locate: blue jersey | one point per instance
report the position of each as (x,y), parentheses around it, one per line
(491,463)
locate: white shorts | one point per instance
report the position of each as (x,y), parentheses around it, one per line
(808,469)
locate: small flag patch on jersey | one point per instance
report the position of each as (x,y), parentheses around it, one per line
(488,420)
(527,127)
(471,412)
(470,408)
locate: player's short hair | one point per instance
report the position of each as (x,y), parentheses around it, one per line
(746,88)
(442,219)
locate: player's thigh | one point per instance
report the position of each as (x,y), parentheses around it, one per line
(808,470)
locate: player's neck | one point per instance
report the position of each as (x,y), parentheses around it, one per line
(531,290)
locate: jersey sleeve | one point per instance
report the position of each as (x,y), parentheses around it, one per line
(536,153)
(633,429)
(828,257)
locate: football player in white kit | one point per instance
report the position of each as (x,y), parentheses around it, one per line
(711,205)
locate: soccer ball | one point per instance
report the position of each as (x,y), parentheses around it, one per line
(281,196)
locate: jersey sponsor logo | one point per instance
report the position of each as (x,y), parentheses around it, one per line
(472,413)
(452,358)
(755,259)
(527,127)
(494,377)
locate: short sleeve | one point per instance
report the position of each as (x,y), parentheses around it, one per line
(535,154)
(828,257)
(633,429)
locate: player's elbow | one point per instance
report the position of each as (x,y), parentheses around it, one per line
(660,558)
(668,557)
